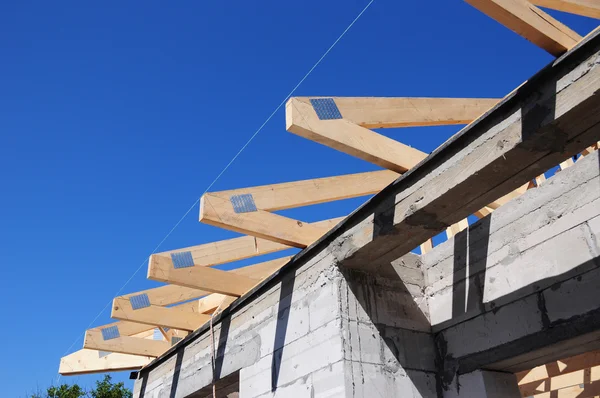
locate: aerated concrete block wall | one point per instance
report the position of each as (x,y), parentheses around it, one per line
(523,278)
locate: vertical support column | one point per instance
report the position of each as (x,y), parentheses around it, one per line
(484,384)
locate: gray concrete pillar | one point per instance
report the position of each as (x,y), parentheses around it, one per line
(484,384)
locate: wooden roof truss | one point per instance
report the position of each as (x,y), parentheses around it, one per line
(195,289)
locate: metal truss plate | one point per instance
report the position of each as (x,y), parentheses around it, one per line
(243,203)
(326,108)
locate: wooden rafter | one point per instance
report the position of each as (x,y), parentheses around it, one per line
(349,137)
(232,283)
(532,23)
(87,361)
(587,8)
(96,340)
(219,208)
(183,317)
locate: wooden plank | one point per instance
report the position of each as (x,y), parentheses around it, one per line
(235,249)
(168,294)
(426,247)
(529,21)
(206,278)
(590,390)
(183,317)
(587,8)
(350,138)
(510,196)
(219,212)
(456,228)
(382,112)
(583,376)
(161,268)
(317,190)
(87,361)
(126,328)
(572,364)
(566,163)
(125,344)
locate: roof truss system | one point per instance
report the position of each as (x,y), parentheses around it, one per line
(151,321)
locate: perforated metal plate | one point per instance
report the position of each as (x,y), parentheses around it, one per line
(182,259)
(139,301)
(111,332)
(326,108)
(243,203)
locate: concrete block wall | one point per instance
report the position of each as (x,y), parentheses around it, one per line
(525,277)
(288,337)
(387,342)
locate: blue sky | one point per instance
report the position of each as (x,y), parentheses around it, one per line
(115,116)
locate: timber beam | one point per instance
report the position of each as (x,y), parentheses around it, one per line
(86,361)
(111,341)
(587,8)
(232,283)
(529,21)
(138,309)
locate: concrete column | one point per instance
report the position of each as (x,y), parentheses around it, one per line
(484,384)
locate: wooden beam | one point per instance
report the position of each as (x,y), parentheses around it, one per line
(87,361)
(583,376)
(317,190)
(210,279)
(564,366)
(125,344)
(126,328)
(382,112)
(231,283)
(168,294)
(219,212)
(183,317)
(587,8)
(589,390)
(426,247)
(456,228)
(350,138)
(529,21)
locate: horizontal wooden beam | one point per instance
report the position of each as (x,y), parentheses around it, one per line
(588,390)
(583,376)
(168,295)
(125,344)
(87,361)
(184,316)
(350,138)
(309,192)
(390,112)
(233,283)
(529,21)
(587,8)
(219,212)
(126,328)
(564,366)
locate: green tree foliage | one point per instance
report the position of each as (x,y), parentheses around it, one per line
(104,389)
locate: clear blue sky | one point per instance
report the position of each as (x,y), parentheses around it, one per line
(115,116)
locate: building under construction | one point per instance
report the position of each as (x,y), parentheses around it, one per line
(508,306)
